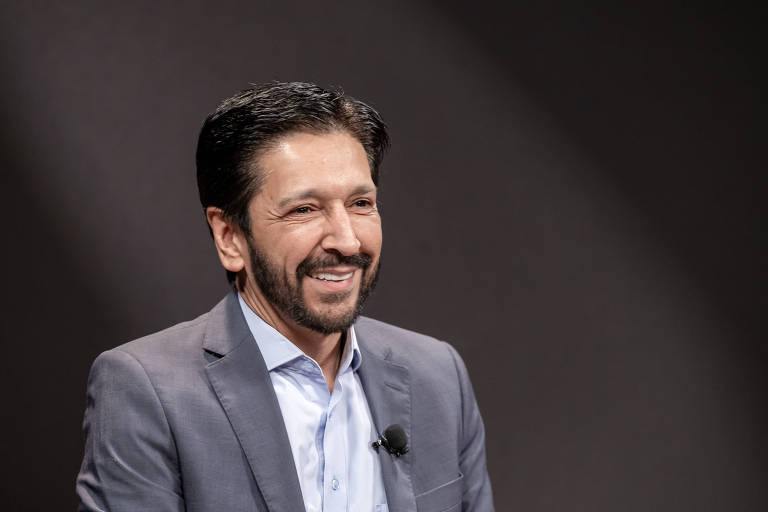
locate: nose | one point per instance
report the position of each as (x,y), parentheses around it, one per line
(340,234)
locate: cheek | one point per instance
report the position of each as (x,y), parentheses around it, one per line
(295,248)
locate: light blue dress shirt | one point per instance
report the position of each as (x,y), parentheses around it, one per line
(330,433)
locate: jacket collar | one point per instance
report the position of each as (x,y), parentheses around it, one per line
(241,381)
(387,384)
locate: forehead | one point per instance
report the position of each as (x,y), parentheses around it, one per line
(330,161)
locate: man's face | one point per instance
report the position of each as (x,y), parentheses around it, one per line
(316,231)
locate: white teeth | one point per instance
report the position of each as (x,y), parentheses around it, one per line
(332,277)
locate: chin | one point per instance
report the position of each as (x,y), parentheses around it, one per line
(330,313)
(328,322)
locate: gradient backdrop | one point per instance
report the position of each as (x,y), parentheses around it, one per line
(571,199)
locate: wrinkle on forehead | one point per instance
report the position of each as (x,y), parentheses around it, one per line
(296,157)
(333,145)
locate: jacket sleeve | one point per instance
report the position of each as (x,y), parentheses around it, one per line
(477,495)
(130,460)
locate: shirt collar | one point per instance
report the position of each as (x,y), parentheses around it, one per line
(277,350)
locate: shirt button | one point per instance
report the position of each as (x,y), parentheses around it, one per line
(334,484)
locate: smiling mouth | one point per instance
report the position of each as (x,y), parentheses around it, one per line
(326,276)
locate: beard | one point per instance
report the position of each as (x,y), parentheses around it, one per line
(288,298)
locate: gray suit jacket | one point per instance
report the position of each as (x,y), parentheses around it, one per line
(187,419)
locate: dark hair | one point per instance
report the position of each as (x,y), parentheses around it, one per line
(253,120)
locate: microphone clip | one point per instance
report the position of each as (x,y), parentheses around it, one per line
(393,440)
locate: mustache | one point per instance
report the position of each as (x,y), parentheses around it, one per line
(309,265)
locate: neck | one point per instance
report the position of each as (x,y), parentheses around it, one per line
(325,349)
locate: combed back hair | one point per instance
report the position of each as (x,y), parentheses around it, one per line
(254,120)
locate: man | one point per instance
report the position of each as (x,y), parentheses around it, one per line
(277,398)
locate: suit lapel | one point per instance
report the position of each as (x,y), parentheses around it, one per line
(387,388)
(241,381)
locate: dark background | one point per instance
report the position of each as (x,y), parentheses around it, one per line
(571,199)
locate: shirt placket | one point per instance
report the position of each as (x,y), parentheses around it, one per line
(335,485)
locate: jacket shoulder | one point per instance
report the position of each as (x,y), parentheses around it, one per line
(404,346)
(392,334)
(181,333)
(177,347)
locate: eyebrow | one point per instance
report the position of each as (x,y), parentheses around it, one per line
(311,193)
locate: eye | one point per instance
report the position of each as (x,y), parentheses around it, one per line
(302,210)
(362,203)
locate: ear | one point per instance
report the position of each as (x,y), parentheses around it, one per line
(229,239)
